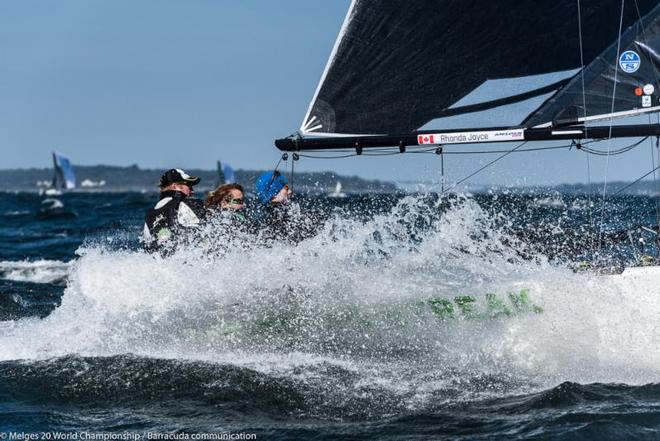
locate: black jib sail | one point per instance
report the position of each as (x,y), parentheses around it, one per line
(397,65)
(629,64)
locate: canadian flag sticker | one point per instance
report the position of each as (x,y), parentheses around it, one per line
(425,139)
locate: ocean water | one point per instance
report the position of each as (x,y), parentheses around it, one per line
(358,332)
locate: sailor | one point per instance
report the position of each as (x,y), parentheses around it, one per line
(227,201)
(280,218)
(226,214)
(174,213)
(273,191)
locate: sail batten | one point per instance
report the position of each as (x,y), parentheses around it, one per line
(608,116)
(486,105)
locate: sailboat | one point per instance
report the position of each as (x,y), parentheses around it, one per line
(337,193)
(225,175)
(402,73)
(64,177)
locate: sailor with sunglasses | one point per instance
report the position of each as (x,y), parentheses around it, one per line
(227,199)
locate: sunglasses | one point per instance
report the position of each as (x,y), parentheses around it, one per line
(236,201)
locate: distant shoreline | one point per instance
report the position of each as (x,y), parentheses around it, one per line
(133,178)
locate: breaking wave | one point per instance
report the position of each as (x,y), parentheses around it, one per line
(39,271)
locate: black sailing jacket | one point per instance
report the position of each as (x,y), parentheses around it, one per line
(173,214)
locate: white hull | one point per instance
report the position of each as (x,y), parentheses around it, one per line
(641,278)
(52,192)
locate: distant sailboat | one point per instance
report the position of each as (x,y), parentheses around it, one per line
(63,179)
(226,174)
(337,193)
(63,176)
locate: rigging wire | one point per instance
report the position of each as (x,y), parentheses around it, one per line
(327,157)
(591,212)
(442,171)
(504,153)
(584,114)
(456,184)
(381,154)
(657,85)
(635,181)
(485,152)
(657,187)
(392,151)
(433,150)
(655,181)
(293,161)
(609,138)
(533,149)
(284,157)
(619,151)
(584,96)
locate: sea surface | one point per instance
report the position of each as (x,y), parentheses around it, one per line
(403,317)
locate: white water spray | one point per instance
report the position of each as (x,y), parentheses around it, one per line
(356,295)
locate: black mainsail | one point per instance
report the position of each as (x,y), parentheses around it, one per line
(399,64)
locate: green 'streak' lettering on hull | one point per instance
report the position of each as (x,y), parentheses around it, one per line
(490,307)
(493,307)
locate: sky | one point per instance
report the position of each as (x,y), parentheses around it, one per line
(173,83)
